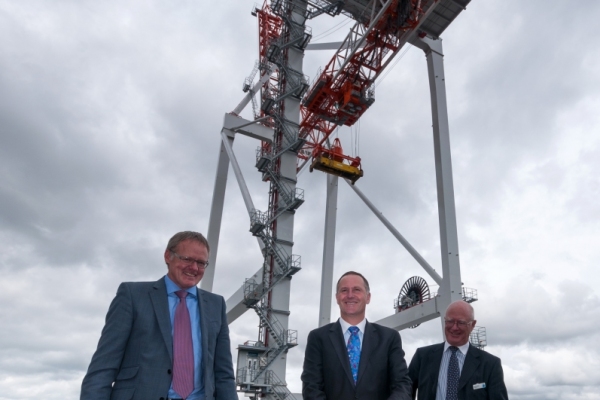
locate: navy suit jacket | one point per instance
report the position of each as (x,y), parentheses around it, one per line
(479,367)
(134,357)
(382,372)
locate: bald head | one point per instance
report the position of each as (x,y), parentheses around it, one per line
(459,322)
(463,307)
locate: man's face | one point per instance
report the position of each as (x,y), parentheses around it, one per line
(186,274)
(458,313)
(352,297)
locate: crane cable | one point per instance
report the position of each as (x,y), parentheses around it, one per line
(387,71)
(332,29)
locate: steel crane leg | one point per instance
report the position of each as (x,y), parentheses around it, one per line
(216,215)
(328,250)
(451,288)
(451,285)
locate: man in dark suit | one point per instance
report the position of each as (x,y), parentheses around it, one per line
(165,339)
(454,369)
(353,358)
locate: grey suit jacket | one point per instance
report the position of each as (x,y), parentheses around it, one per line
(382,372)
(479,367)
(135,352)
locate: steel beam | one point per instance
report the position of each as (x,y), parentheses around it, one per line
(235,303)
(216,215)
(412,316)
(328,250)
(251,129)
(451,287)
(231,125)
(428,268)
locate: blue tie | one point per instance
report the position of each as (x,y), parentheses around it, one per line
(453,375)
(354,351)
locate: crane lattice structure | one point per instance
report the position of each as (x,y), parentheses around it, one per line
(293,123)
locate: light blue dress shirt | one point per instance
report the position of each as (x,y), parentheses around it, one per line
(443,374)
(361,331)
(194,310)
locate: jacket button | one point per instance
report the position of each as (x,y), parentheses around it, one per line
(169,371)
(162,398)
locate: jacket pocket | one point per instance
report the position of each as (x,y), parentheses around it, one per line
(127,373)
(125,381)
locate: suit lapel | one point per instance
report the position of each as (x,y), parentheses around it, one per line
(370,337)
(470,366)
(158,295)
(433,361)
(337,341)
(202,304)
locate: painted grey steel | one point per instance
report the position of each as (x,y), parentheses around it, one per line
(450,283)
(434,275)
(280,293)
(235,303)
(238,172)
(328,250)
(443,12)
(452,288)
(268,291)
(216,215)
(251,129)
(231,124)
(248,97)
(414,315)
(442,16)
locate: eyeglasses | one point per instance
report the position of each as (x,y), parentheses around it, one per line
(190,261)
(460,324)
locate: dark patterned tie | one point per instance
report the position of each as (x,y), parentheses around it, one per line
(183,351)
(354,351)
(453,376)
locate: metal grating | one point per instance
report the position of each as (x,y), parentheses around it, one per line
(442,16)
(439,14)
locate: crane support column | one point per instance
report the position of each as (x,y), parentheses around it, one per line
(451,289)
(216,215)
(328,250)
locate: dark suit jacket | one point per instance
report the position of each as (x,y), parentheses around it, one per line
(382,372)
(479,367)
(135,351)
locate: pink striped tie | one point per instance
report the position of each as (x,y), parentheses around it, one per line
(183,351)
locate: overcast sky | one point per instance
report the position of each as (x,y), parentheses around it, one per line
(110,113)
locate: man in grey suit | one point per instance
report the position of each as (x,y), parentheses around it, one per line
(477,374)
(165,339)
(353,358)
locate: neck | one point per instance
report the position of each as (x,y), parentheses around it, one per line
(353,319)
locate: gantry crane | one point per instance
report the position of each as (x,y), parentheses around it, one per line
(293,123)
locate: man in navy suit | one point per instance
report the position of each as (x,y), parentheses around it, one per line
(379,370)
(136,359)
(479,373)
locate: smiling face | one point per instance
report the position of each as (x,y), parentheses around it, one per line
(352,297)
(186,275)
(458,314)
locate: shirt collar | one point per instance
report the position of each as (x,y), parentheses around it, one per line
(463,349)
(172,288)
(345,325)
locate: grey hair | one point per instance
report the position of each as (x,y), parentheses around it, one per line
(187,235)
